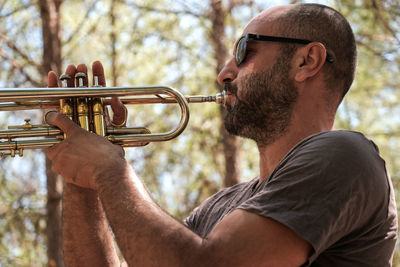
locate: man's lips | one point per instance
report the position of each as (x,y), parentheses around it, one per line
(230,99)
(230,88)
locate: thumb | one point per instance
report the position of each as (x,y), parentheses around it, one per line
(61,121)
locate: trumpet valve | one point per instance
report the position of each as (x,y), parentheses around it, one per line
(98,116)
(80,76)
(83,113)
(96,81)
(66,108)
(64,80)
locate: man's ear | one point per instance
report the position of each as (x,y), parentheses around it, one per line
(309,61)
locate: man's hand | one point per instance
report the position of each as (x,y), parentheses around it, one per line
(83,155)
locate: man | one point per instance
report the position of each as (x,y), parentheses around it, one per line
(322,198)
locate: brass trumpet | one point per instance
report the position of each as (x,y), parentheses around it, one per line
(87,107)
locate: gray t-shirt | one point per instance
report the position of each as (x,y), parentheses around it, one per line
(332,189)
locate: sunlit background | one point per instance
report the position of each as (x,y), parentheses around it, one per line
(170,43)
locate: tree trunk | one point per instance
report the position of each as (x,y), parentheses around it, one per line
(113,37)
(230,142)
(50,15)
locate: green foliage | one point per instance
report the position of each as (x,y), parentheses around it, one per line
(22,213)
(372,106)
(154,45)
(166,43)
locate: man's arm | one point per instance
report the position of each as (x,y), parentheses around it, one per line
(87,239)
(147,235)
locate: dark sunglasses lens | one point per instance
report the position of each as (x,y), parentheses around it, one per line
(241,50)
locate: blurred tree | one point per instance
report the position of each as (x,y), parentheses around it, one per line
(181,44)
(372,106)
(20,54)
(51,34)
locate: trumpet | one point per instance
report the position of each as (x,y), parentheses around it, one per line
(87,107)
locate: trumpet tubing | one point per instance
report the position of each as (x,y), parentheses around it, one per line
(86,106)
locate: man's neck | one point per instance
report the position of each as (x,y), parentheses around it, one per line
(272,154)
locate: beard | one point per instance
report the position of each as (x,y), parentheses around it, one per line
(263,113)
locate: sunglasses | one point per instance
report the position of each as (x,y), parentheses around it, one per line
(240,51)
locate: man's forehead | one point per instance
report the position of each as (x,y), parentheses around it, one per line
(266,22)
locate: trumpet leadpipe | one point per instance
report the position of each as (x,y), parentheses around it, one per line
(219,98)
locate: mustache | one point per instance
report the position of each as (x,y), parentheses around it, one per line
(231,88)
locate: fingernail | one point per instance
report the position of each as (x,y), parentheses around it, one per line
(50,116)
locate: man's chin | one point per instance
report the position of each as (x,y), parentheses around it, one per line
(230,126)
(233,129)
(249,133)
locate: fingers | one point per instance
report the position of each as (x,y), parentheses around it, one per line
(83,68)
(61,121)
(97,69)
(71,71)
(52,80)
(119,110)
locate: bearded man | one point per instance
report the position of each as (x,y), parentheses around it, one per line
(322,198)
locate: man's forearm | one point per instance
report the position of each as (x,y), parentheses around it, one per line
(86,236)
(146,235)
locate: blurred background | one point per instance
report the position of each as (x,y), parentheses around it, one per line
(182,44)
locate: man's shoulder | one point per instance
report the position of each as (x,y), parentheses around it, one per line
(344,156)
(350,139)
(340,143)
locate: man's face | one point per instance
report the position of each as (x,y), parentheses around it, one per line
(266,101)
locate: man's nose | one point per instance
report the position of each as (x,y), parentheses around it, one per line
(228,72)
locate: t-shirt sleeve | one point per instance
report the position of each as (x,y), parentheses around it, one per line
(203,218)
(326,187)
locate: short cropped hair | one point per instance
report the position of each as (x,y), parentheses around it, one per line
(323,24)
